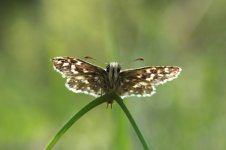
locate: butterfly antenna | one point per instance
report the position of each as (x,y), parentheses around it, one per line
(137,59)
(88,57)
(91,58)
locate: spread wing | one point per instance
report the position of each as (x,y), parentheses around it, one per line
(142,81)
(82,77)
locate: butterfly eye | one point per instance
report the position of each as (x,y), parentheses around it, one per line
(107,68)
(118,69)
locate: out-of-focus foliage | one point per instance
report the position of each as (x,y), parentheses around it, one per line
(187,113)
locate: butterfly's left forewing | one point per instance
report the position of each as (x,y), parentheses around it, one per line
(142,81)
(82,77)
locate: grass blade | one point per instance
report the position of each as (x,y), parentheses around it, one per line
(132,121)
(77,116)
(88,107)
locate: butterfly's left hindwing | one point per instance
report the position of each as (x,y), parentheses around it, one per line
(141,82)
(82,77)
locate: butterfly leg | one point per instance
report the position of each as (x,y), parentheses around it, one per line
(109,103)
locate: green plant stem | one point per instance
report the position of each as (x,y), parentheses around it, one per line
(88,107)
(132,121)
(78,115)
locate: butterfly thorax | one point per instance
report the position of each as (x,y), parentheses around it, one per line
(113,70)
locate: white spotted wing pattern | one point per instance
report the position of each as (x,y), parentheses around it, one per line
(83,77)
(142,81)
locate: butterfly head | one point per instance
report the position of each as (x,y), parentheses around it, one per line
(113,69)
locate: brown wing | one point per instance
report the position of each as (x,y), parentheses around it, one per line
(141,81)
(82,77)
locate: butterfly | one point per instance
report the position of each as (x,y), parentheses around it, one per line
(84,77)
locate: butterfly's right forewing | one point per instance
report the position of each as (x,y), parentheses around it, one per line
(82,77)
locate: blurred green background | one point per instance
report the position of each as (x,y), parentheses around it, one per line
(186,114)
